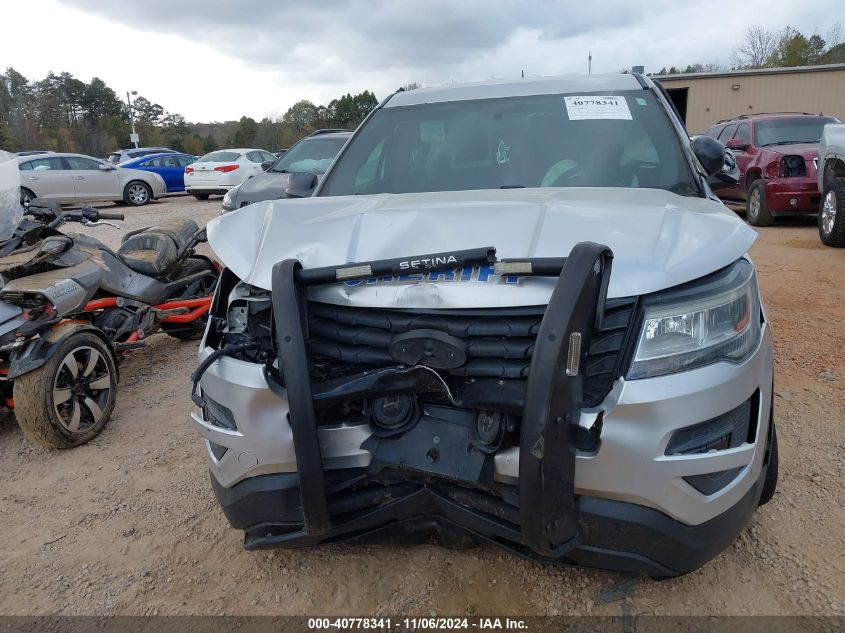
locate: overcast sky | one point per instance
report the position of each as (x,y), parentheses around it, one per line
(218,60)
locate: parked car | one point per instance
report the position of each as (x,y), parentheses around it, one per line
(312,154)
(777,156)
(123,155)
(217,172)
(71,178)
(831,175)
(33,152)
(435,341)
(170,166)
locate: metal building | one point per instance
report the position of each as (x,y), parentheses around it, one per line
(706,98)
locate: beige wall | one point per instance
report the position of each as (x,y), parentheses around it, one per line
(711,99)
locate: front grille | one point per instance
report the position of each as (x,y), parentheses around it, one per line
(499,343)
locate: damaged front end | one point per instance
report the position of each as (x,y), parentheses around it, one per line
(446,399)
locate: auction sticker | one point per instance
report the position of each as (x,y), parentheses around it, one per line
(583,108)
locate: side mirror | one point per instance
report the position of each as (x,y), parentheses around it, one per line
(710,153)
(267,164)
(301,184)
(728,176)
(737,145)
(106,167)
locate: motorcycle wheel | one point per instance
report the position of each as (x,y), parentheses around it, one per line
(195,330)
(68,400)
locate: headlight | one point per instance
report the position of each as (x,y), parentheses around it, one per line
(228,201)
(700,324)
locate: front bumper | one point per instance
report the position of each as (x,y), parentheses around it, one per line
(793,195)
(627,485)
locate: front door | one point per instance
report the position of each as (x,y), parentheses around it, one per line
(93,183)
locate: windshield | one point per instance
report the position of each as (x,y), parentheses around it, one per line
(620,140)
(788,130)
(219,157)
(11,210)
(313,155)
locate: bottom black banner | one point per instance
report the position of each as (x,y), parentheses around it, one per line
(407,624)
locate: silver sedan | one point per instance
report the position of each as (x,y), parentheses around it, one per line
(71,178)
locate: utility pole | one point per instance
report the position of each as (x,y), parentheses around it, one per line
(133,137)
(589,62)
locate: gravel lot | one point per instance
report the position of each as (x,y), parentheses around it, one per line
(128,524)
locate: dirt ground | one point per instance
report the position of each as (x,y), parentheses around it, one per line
(128,524)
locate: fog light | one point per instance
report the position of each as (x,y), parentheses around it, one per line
(793,201)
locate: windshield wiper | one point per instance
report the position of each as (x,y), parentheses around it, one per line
(512,187)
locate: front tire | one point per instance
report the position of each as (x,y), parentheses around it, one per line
(137,193)
(770,483)
(68,400)
(757,210)
(832,214)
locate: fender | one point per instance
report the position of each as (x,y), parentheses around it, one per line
(37,352)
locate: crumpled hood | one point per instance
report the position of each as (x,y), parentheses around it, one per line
(659,240)
(807,151)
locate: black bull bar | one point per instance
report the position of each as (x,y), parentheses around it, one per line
(551,415)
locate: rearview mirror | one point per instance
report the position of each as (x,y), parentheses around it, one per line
(737,145)
(301,184)
(710,153)
(267,164)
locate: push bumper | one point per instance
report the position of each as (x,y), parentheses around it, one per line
(626,506)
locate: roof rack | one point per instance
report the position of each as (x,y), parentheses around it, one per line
(328,130)
(753,114)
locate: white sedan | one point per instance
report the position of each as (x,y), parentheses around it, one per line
(71,178)
(217,172)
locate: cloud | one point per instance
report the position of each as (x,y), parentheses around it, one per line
(257,57)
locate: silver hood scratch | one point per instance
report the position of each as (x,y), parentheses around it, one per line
(659,240)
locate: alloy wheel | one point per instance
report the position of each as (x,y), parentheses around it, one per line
(81,389)
(828,212)
(754,204)
(138,194)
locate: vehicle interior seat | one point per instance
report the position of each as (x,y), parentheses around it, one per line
(153,251)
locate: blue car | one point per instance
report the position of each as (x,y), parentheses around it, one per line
(170,166)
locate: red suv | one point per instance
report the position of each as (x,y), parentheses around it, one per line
(777,156)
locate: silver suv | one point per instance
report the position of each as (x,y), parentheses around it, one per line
(512,312)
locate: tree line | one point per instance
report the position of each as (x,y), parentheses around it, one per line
(65,114)
(766,48)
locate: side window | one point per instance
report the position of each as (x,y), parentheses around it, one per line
(47,164)
(184,161)
(727,133)
(268,156)
(147,163)
(369,171)
(255,157)
(743,133)
(25,166)
(77,162)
